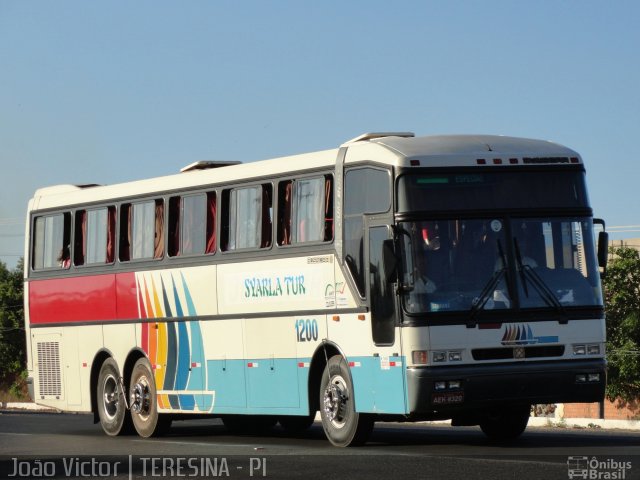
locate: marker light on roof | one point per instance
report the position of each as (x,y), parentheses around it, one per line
(497,161)
(481,161)
(414,163)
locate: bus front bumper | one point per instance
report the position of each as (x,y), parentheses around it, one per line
(439,390)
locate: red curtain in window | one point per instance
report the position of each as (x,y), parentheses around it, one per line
(111,234)
(286,218)
(158,247)
(174,227)
(80,247)
(126,215)
(265,240)
(328,210)
(211,223)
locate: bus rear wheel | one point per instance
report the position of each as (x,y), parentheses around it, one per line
(342,425)
(143,402)
(506,424)
(112,409)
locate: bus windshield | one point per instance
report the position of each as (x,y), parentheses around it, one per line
(499,264)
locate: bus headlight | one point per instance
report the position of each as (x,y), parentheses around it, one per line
(579,349)
(588,349)
(593,349)
(455,356)
(439,357)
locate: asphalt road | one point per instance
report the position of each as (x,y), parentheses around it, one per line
(40,445)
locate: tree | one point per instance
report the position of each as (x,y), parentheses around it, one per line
(12,339)
(622,303)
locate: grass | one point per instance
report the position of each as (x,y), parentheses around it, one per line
(7,396)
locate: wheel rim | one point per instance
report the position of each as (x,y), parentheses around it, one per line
(141,398)
(335,401)
(110,397)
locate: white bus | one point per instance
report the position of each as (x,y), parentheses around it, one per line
(395,278)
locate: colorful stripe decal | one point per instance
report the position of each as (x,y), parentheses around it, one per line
(175,349)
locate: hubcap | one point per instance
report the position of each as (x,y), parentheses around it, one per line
(335,400)
(140,398)
(110,396)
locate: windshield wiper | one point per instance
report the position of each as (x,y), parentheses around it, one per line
(488,289)
(526,271)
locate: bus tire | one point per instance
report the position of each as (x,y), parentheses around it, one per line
(112,409)
(296,423)
(506,424)
(342,425)
(143,402)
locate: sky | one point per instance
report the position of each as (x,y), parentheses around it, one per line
(112,91)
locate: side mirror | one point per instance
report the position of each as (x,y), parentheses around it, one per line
(603,249)
(390,261)
(603,245)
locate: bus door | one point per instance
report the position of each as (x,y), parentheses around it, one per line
(389,364)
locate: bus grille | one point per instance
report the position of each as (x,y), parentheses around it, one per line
(49,369)
(511,353)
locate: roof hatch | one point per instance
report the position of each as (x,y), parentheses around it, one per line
(374,135)
(207,164)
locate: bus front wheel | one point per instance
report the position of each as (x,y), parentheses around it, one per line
(112,409)
(143,402)
(342,425)
(507,423)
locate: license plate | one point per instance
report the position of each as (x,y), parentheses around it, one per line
(444,398)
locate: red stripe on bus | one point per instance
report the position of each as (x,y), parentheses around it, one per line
(83,299)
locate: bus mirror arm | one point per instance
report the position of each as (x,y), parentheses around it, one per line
(603,245)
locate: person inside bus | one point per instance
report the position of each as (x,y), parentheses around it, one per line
(418,300)
(64,259)
(429,262)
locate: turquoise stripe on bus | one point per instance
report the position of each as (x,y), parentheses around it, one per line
(187,402)
(283,391)
(183,357)
(176,299)
(196,380)
(190,307)
(172,357)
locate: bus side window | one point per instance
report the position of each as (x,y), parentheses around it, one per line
(247,221)
(94,236)
(191,224)
(52,242)
(366,190)
(142,230)
(305,210)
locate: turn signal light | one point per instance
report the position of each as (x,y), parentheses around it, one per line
(420,357)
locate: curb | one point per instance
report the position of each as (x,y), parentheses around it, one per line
(584,423)
(25,406)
